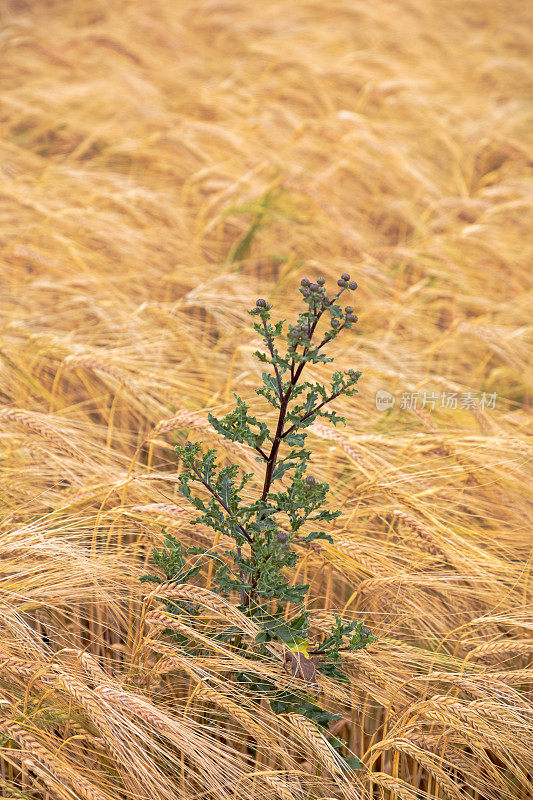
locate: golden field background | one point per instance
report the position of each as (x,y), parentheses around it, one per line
(163,164)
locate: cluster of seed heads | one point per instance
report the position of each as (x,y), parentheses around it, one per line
(346,283)
(309,289)
(263,304)
(317,288)
(298,332)
(350,316)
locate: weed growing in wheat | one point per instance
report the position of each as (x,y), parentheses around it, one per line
(256,567)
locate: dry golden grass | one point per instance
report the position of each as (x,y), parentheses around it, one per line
(163,164)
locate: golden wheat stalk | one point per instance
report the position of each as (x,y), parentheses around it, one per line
(518,646)
(81,787)
(427,538)
(237,712)
(393,784)
(309,734)
(207,599)
(282,791)
(45,425)
(425,759)
(163,509)
(183,419)
(20,759)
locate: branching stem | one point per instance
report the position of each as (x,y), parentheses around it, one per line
(222,503)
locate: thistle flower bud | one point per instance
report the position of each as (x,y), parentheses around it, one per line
(335,323)
(314,287)
(349,309)
(261,303)
(345,276)
(306,292)
(282,537)
(327,301)
(321,281)
(352,317)
(309,480)
(342,283)
(305,282)
(352,285)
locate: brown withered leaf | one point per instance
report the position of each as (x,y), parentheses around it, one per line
(302,667)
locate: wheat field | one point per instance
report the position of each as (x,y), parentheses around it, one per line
(163,164)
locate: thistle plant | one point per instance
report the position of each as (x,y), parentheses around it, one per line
(288,512)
